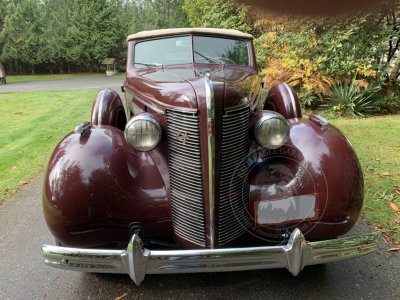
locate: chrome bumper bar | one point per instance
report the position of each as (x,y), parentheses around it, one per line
(138,261)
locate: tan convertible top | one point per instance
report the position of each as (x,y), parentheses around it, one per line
(177,31)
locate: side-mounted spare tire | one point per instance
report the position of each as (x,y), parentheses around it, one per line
(283,99)
(108,109)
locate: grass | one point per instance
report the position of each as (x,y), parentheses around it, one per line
(377,143)
(31,125)
(26,78)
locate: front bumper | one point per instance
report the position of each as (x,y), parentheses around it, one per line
(138,261)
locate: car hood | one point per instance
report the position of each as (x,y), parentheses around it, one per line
(186,87)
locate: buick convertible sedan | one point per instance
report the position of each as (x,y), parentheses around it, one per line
(200,169)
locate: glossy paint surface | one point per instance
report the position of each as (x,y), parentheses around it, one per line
(283,99)
(108,109)
(96,186)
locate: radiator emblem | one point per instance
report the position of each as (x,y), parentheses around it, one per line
(182,136)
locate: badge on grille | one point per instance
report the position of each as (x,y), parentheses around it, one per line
(182,136)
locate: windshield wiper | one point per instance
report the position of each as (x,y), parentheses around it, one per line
(210,58)
(149,64)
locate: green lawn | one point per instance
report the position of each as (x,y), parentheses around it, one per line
(31,125)
(377,143)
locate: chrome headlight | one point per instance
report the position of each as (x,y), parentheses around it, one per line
(143,132)
(272,131)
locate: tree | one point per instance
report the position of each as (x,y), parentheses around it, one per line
(218,14)
(314,54)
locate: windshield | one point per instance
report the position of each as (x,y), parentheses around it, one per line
(229,51)
(178,50)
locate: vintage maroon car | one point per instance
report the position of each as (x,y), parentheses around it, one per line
(190,173)
(2,74)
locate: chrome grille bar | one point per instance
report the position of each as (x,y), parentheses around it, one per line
(186,177)
(233,192)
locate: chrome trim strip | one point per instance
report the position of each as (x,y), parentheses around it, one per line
(100,114)
(291,99)
(156,109)
(134,108)
(138,261)
(211,153)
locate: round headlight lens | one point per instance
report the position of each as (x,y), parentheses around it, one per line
(143,133)
(272,131)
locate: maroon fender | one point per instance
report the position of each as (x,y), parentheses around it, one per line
(95,186)
(108,109)
(316,160)
(282,99)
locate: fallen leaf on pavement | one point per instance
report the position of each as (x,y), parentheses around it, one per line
(122,296)
(393,249)
(394,206)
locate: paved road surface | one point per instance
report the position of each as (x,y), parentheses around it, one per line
(24,276)
(97,82)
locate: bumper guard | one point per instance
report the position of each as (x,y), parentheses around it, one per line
(138,261)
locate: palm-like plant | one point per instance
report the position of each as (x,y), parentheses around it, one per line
(352,99)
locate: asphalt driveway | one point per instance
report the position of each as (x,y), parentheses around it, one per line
(96,82)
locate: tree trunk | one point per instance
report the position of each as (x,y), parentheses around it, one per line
(394,74)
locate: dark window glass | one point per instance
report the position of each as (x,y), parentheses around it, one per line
(230,51)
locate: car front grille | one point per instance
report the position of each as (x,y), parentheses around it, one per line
(186,176)
(233,193)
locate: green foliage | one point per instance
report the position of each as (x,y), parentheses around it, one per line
(351,98)
(228,14)
(76,35)
(314,54)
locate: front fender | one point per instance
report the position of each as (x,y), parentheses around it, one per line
(95,186)
(316,160)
